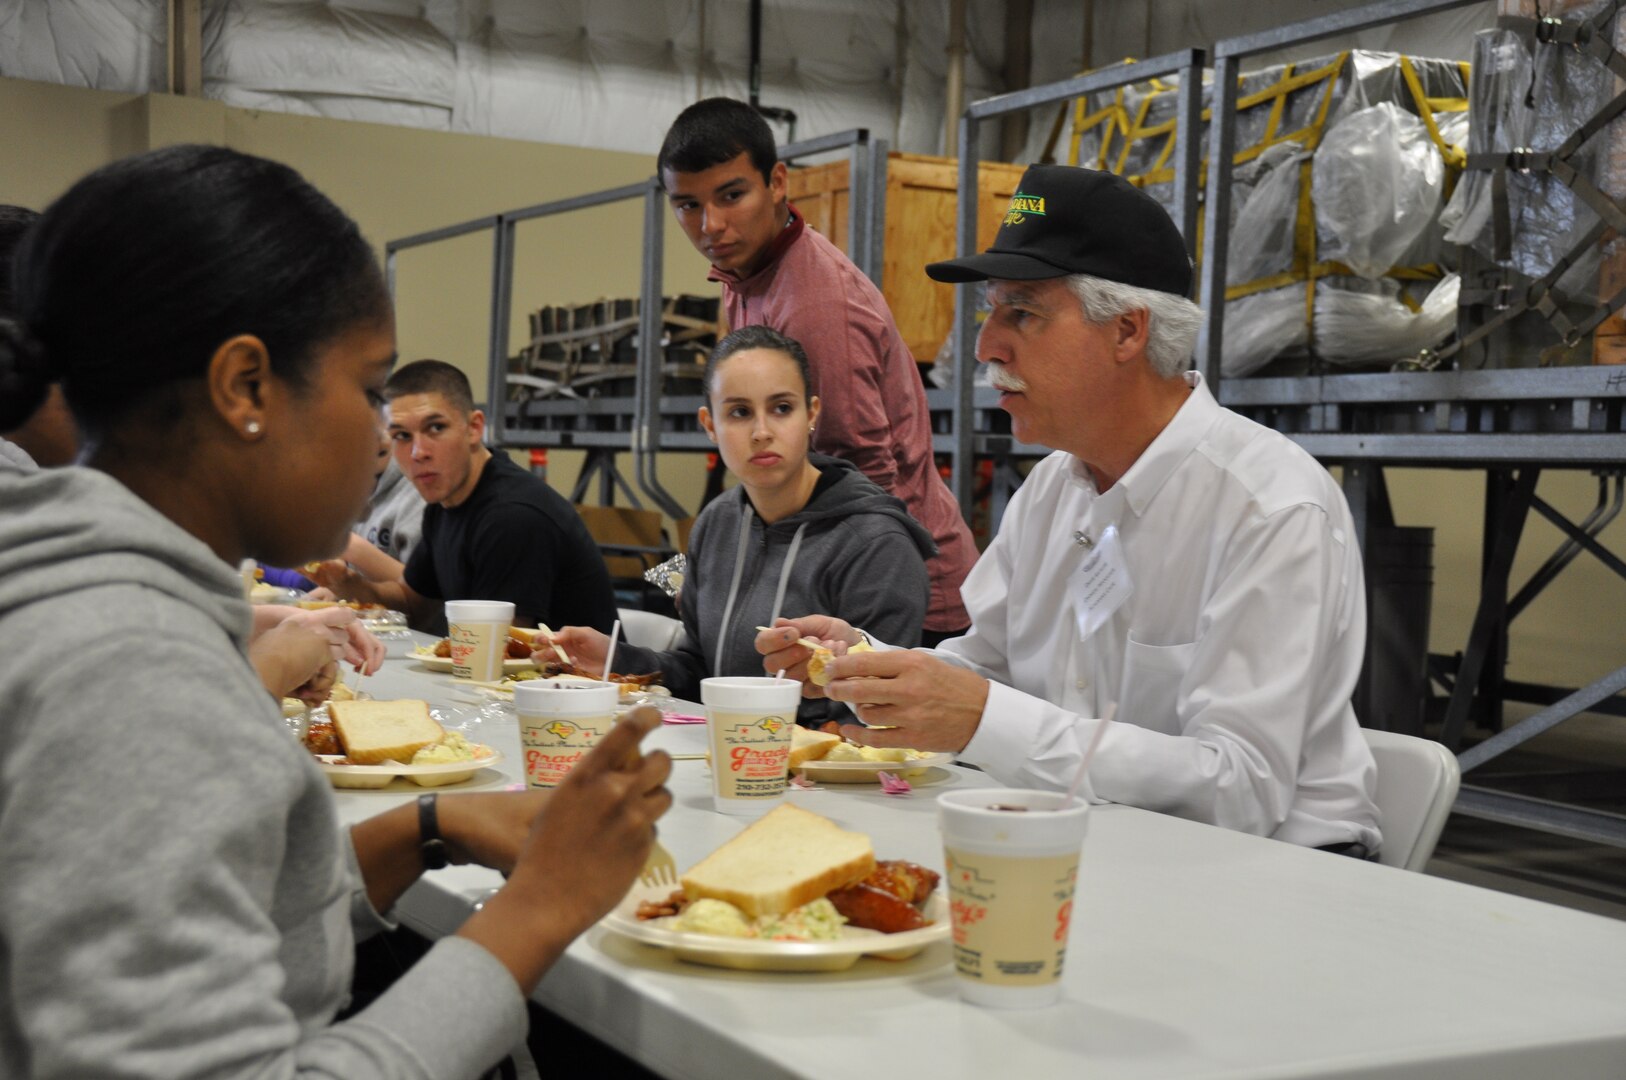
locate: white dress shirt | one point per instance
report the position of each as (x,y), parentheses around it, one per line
(1231,662)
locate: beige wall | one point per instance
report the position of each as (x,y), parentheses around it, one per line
(398,181)
(395,182)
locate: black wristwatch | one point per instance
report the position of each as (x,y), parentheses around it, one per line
(430,846)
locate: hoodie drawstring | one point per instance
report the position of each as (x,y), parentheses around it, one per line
(784,573)
(739,572)
(733,592)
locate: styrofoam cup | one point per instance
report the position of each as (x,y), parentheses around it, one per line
(478,631)
(559,722)
(748,721)
(1011,876)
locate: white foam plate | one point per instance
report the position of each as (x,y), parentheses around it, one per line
(868,772)
(444,663)
(380,776)
(752,954)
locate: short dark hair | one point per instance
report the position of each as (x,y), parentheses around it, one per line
(756,337)
(14,221)
(432,377)
(129,283)
(713,131)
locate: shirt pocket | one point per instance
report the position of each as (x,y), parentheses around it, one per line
(1149,693)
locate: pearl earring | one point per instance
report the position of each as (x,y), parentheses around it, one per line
(252,427)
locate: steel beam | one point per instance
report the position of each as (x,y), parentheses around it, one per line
(1341,22)
(1542,815)
(1502,545)
(1531,726)
(964,330)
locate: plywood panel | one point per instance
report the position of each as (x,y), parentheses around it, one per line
(920,202)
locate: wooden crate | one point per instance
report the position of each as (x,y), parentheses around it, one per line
(920,202)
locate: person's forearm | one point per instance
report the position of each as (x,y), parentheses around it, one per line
(395,595)
(516,926)
(387,849)
(526,936)
(275,671)
(268,615)
(372,562)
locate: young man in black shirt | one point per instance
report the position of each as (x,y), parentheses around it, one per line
(491,531)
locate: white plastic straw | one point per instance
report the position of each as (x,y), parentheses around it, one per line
(1089,752)
(609,657)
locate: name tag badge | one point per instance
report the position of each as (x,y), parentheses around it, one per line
(1102,584)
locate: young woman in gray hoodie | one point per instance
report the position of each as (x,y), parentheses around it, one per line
(800,530)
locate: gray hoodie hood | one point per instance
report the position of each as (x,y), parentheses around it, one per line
(64,532)
(853,551)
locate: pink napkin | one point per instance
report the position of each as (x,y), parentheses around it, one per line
(893,784)
(800,781)
(684,718)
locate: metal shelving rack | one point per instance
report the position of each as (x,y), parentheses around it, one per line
(1510,423)
(645,423)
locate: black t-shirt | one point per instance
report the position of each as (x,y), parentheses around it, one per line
(514,539)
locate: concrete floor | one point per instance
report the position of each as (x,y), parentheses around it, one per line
(1581,761)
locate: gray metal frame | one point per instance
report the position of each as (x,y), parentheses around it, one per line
(648,412)
(1188,64)
(1510,423)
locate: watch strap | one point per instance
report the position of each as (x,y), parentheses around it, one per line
(430,845)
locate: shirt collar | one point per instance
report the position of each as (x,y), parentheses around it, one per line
(1158,461)
(781,243)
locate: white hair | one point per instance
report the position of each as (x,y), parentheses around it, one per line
(1171,325)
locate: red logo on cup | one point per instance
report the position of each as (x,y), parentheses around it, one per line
(743,756)
(1064,916)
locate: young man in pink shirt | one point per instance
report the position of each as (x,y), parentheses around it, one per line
(721,172)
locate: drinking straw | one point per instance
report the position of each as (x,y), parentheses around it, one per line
(1089,752)
(615,635)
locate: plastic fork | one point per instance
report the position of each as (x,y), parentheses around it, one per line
(660,870)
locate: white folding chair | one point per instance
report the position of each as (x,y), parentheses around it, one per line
(1417,783)
(648,629)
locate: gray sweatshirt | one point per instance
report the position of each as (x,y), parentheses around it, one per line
(177,898)
(394,518)
(853,552)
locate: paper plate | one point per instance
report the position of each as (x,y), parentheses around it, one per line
(381,776)
(868,772)
(444,663)
(748,954)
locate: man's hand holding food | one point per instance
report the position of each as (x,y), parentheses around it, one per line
(904,697)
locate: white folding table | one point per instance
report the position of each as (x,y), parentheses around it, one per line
(1196,952)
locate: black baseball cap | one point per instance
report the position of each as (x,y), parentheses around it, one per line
(1066,220)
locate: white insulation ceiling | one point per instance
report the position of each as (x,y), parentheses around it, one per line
(611,73)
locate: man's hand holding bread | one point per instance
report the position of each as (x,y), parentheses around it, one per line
(906,697)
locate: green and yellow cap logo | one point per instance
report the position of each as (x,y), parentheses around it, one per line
(1024,206)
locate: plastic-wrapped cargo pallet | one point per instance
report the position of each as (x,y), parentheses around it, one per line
(1342,166)
(1538,208)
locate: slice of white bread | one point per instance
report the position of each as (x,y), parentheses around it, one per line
(785,859)
(376,731)
(809,745)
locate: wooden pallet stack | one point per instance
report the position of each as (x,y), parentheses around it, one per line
(591,349)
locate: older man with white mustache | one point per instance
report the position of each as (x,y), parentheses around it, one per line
(1172,563)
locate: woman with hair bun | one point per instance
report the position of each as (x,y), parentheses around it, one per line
(178,899)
